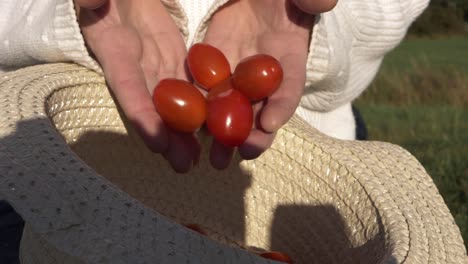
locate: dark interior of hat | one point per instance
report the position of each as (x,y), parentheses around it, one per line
(311,233)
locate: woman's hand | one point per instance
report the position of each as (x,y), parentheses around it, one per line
(137,44)
(280,28)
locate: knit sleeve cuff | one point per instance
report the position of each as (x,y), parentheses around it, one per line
(68,36)
(348,45)
(327,64)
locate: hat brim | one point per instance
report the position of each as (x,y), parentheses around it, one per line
(91,192)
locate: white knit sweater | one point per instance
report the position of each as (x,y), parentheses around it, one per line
(346,50)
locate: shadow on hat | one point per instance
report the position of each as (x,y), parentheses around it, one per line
(91,192)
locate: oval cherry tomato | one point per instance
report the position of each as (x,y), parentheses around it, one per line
(258,76)
(180,105)
(274,255)
(220,88)
(196,228)
(208,65)
(230,117)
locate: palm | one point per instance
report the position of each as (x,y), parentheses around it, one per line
(138,44)
(278,28)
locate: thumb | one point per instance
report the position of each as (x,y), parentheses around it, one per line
(315,6)
(90,4)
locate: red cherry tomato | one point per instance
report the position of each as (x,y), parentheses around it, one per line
(220,88)
(230,117)
(274,255)
(196,228)
(258,76)
(180,105)
(208,65)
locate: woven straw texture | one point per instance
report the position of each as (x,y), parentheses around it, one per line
(90,192)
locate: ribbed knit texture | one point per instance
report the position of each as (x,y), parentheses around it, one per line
(33,32)
(348,45)
(346,50)
(195,11)
(338,123)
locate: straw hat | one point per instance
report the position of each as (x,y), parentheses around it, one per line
(90,192)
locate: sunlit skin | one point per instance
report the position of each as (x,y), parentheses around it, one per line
(275,27)
(137,44)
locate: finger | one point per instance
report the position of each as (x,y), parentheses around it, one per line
(257,143)
(126,80)
(90,4)
(280,107)
(184,148)
(315,6)
(220,155)
(183,151)
(160,62)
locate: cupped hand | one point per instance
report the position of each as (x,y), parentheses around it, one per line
(282,29)
(137,44)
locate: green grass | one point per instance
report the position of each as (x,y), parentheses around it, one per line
(438,53)
(423,71)
(419,100)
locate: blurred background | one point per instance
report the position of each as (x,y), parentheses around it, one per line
(419,100)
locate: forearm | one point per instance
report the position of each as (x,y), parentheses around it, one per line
(40,31)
